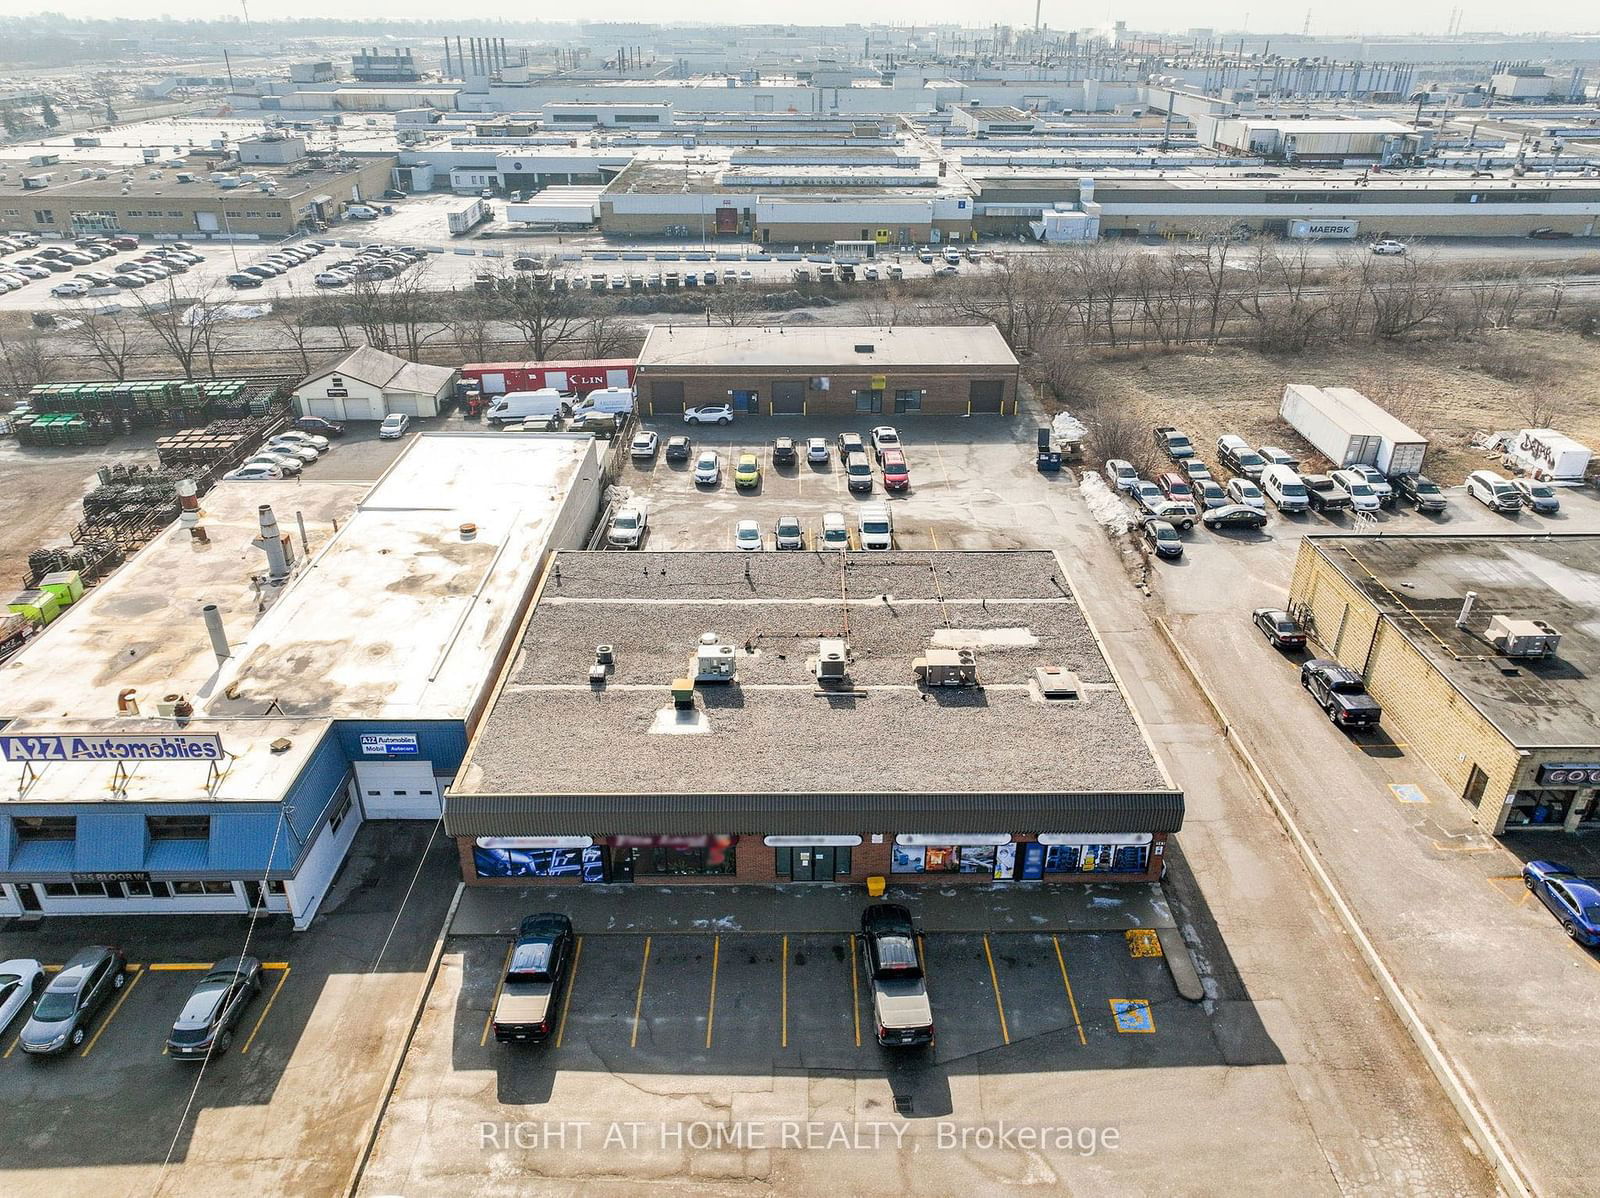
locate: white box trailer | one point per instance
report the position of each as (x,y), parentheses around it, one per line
(465,219)
(1549,455)
(1349,429)
(1312,230)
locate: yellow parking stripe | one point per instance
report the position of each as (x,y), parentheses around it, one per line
(16,1040)
(272,998)
(855,990)
(494,1002)
(566,1003)
(994,980)
(112,1014)
(638,1001)
(711,1005)
(172,968)
(1067,982)
(783,992)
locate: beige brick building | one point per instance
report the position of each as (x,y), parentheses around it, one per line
(1515,737)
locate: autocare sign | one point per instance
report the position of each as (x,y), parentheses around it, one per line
(1570,774)
(388,744)
(166,746)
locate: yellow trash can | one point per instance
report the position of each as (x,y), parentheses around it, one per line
(875,886)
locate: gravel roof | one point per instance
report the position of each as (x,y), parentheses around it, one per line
(549,731)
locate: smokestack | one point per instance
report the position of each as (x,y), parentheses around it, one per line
(447,73)
(219,637)
(270,542)
(461,62)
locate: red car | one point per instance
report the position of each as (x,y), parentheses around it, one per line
(896,475)
(1174,486)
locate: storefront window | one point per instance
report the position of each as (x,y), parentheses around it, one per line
(714,860)
(869,401)
(1096,858)
(907,400)
(1540,808)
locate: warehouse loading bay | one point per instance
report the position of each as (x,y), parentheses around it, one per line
(692,1010)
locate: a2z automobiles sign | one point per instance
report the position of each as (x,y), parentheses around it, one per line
(169,746)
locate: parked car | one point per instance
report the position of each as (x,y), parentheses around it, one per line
(1161,537)
(62,1016)
(896,474)
(206,1025)
(1422,491)
(288,465)
(394,425)
(902,1013)
(747,471)
(319,427)
(1381,486)
(1285,488)
(1194,469)
(1362,497)
(708,468)
(1146,494)
(1173,443)
(1572,899)
(747,535)
(1174,486)
(709,414)
(1341,693)
(1325,495)
(788,533)
(258,472)
(1537,496)
(536,975)
(817,450)
(20,980)
(306,437)
(1245,493)
(884,437)
(783,452)
(1279,628)
(1234,515)
(628,526)
(1121,475)
(1273,456)
(1494,491)
(71,289)
(286,447)
(1388,246)
(679,449)
(644,444)
(858,472)
(835,532)
(242,282)
(1209,495)
(849,443)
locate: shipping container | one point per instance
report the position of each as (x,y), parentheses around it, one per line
(1349,429)
(573,377)
(1549,455)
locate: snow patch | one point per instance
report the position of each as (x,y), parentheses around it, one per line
(1104,505)
(724,923)
(983,638)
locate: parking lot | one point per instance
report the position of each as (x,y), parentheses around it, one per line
(280,1110)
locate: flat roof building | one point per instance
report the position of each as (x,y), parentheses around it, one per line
(789,370)
(810,717)
(1484,654)
(345,670)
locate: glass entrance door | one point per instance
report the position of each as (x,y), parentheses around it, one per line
(813,864)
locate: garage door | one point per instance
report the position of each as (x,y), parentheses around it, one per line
(328,409)
(360,409)
(666,397)
(398,789)
(406,404)
(985,397)
(788,397)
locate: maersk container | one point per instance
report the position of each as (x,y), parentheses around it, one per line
(1349,429)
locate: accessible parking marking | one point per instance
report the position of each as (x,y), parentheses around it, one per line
(1133,1015)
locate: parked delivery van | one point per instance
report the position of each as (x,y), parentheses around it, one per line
(617,400)
(1285,488)
(515,406)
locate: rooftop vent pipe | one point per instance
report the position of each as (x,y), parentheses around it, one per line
(271,543)
(219,637)
(1466,609)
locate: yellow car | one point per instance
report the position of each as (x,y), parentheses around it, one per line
(747,472)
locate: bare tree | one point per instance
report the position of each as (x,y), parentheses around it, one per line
(546,320)
(292,317)
(25,361)
(472,325)
(607,333)
(734,306)
(178,319)
(112,335)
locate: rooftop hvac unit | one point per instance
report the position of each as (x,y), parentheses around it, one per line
(1056,683)
(947,667)
(832,662)
(713,661)
(1523,638)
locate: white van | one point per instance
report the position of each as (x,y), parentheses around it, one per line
(875,526)
(361,212)
(1284,488)
(519,405)
(607,399)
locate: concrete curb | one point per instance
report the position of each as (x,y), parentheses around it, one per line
(369,1139)
(1455,1087)
(1180,964)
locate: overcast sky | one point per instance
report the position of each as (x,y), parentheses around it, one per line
(1344,17)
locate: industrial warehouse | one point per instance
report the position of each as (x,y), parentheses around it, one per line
(810,717)
(210,727)
(829,370)
(1482,649)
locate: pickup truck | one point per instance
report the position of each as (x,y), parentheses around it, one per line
(627,526)
(1173,443)
(1340,692)
(902,1013)
(537,971)
(1325,495)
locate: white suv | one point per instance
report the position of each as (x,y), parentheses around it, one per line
(1362,497)
(713,414)
(1493,491)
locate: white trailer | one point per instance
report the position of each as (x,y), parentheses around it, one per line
(465,219)
(1549,455)
(1349,429)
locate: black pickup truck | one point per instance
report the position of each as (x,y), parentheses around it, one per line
(1340,692)
(1325,494)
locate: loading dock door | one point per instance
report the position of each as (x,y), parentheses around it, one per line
(986,397)
(398,789)
(328,409)
(666,396)
(788,397)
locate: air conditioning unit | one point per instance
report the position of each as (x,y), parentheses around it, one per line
(713,661)
(1522,638)
(832,662)
(1058,684)
(947,667)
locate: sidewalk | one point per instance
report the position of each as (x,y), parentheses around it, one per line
(658,909)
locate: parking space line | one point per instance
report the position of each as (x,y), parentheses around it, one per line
(1067,982)
(638,1002)
(488,1019)
(711,1003)
(566,1002)
(939,453)
(935,537)
(994,980)
(855,989)
(783,998)
(16,1040)
(272,998)
(176,967)
(112,1014)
